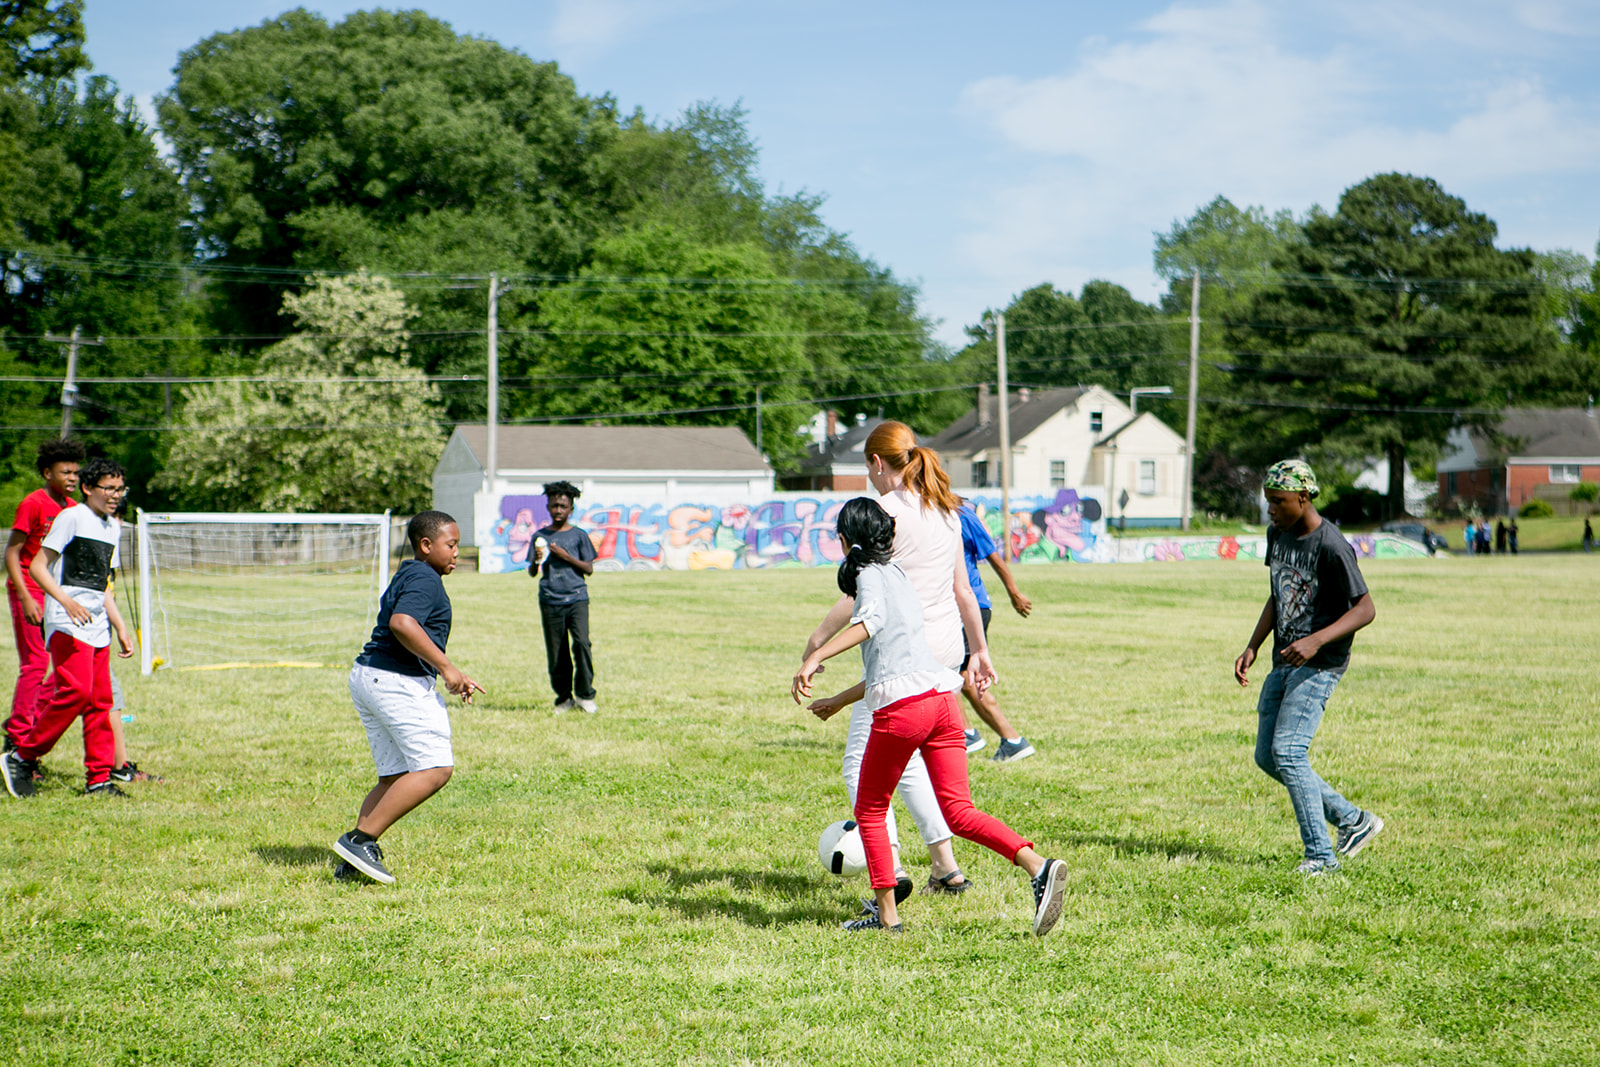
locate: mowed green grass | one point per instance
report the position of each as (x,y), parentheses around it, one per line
(641,886)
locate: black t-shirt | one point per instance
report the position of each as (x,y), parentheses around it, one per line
(559,581)
(417,591)
(1315,580)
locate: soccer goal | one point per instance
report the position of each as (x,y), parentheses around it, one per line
(220,590)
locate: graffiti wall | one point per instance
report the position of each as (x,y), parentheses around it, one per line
(797,530)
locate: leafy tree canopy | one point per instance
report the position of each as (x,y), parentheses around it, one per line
(41,38)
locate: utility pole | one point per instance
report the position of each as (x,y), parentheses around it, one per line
(493,466)
(69,388)
(1005,433)
(1194,390)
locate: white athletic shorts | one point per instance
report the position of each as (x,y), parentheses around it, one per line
(407,723)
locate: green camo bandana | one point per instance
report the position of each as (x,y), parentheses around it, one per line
(1291,476)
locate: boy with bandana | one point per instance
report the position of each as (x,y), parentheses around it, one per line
(1317,603)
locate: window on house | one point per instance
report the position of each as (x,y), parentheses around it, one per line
(1058,474)
(1566,472)
(1450,484)
(980,473)
(1147,477)
(1096,421)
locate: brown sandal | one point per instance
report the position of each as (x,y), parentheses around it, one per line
(936,886)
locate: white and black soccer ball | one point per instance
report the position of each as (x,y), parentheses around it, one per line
(840,849)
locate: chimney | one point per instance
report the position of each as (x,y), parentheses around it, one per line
(983,404)
(833,424)
(1023,394)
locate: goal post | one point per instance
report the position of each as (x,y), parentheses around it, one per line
(219,590)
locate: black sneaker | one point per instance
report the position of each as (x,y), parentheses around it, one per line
(366,857)
(104,790)
(870,922)
(18,773)
(130,772)
(974,739)
(1048,887)
(1356,837)
(1010,751)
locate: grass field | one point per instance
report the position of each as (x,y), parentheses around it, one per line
(641,886)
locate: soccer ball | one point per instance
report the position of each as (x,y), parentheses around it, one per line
(840,849)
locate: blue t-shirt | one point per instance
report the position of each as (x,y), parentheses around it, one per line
(977,546)
(559,581)
(417,590)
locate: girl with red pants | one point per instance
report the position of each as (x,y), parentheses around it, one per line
(914,709)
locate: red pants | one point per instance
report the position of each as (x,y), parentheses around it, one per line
(32,662)
(82,690)
(932,723)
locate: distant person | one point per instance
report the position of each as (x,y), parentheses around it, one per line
(1501,537)
(57,463)
(1469,537)
(73,567)
(564,599)
(1318,601)
(1513,535)
(1588,535)
(391,685)
(977,546)
(1483,538)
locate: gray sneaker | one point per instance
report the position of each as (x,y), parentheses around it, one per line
(365,857)
(1048,888)
(975,740)
(18,773)
(1355,838)
(1011,751)
(1317,868)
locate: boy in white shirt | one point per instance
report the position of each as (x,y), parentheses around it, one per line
(73,569)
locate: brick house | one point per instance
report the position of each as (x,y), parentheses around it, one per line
(1544,453)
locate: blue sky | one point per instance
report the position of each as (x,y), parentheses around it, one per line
(982,149)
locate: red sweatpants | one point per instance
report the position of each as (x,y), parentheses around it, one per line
(932,723)
(33,660)
(82,690)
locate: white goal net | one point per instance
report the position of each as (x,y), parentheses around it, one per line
(221,590)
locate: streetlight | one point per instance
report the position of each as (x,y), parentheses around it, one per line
(1154,390)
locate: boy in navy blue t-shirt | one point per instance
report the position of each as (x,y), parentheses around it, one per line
(567,557)
(976,547)
(391,684)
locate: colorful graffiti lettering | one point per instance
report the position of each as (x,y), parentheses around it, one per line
(797,530)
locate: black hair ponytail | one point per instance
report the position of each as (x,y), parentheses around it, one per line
(869,531)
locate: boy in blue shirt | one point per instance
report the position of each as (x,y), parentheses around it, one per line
(568,557)
(391,684)
(976,545)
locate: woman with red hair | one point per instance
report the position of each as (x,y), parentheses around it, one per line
(914,489)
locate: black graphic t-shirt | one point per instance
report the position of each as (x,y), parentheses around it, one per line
(1315,580)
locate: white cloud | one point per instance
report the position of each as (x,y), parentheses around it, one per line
(599,24)
(1201,101)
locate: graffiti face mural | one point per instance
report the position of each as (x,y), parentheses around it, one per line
(797,530)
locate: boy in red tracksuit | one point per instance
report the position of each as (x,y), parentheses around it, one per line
(73,568)
(57,463)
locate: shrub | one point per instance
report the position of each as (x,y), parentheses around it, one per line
(1536,509)
(1585,492)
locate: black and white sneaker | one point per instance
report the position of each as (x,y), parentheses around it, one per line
(1010,751)
(1355,838)
(105,790)
(870,921)
(365,857)
(130,772)
(975,740)
(18,773)
(1048,887)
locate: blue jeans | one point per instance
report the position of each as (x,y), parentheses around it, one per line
(1291,705)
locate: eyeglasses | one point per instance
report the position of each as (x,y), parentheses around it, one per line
(120,490)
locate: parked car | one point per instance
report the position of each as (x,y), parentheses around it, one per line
(1412,530)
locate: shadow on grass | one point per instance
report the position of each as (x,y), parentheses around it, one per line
(788,906)
(295,855)
(1171,848)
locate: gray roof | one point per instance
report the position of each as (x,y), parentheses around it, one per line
(966,435)
(634,448)
(843,447)
(1552,432)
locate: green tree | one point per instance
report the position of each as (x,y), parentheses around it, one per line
(41,38)
(304,436)
(1394,320)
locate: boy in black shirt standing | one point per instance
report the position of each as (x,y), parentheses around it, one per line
(1318,602)
(391,684)
(567,556)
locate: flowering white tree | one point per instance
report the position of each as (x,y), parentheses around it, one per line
(337,421)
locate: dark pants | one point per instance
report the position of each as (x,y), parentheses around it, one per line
(561,620)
